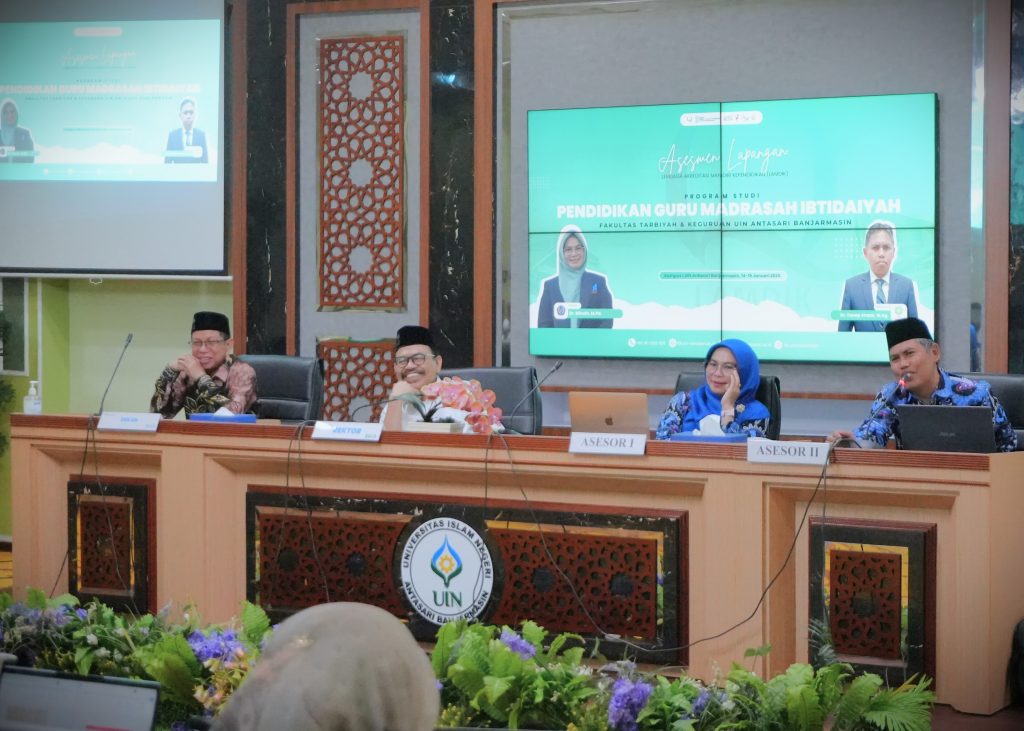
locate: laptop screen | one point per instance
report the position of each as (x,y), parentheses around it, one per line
(936,428)
(33,700)
(608,412)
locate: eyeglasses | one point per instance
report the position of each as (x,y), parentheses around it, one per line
(211,343)
(713,366)
(417,360)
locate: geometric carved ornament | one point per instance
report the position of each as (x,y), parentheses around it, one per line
(617,576)
(361,223)
(111,542)
(305,559)
(864,603)
(357,379)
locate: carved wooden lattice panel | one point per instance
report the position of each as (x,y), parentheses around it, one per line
(616,578)
(111,542)
(361,237)
(352,556)
(864,603)
(106,546)
(357,378)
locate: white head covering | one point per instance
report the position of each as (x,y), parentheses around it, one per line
(337,667)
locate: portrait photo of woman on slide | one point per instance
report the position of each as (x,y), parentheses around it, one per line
(574,287)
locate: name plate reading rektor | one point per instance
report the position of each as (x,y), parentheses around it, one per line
(584,442)
(128,421)
(349,431)
(766,450)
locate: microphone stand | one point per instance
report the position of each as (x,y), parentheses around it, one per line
(529,394)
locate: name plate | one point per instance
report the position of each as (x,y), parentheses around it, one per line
(585,442)
(766,450)
(128,421)
(351,431)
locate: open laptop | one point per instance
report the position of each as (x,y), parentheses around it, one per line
(38,700)
(932,428)
(608,412)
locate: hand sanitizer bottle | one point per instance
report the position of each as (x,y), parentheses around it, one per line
(33,403)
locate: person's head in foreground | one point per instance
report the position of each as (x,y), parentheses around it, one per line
(211,339)
(416,362)
(337,667)
(913,356)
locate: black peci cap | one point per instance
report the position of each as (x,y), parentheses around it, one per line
(909,328)
(211,321)
(414,335)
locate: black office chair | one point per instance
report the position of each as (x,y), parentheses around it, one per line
(289,387)
(768,393)
(1008,388)
(516,395)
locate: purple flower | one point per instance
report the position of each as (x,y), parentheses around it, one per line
(81,613)
(219,644)
(517,644)
(703,700)
(628,699)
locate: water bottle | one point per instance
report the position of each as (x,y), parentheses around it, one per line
(33,403)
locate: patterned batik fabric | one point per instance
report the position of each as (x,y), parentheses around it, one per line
(953,390)
(232,386)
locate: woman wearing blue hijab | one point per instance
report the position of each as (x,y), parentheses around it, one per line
(731,378)
(574,284)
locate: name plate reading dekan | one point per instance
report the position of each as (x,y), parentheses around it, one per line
(585,442)
(353,431)
(766,450)
(128,421)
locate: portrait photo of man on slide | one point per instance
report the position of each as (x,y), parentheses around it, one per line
(879,287)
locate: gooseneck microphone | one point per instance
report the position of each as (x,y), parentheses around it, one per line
(127,342)
(529,394)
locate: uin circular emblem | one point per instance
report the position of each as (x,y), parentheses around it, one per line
(447,572)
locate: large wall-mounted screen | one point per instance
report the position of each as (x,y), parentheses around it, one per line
(112,142)
(801,226)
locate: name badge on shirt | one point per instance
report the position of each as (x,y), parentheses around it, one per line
(352,431)
(128,421)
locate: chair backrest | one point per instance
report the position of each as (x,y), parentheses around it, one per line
(1008,388)
(516,394)
(769,393)
(289,387)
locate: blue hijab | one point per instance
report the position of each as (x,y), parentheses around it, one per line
(704,402)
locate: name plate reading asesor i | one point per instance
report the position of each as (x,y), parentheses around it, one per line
(583,442)
(766,450)
(352,431)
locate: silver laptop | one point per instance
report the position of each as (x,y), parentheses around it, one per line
(931,428)
(34,700)
(608,412)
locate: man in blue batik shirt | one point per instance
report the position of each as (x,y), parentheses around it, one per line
(914,359)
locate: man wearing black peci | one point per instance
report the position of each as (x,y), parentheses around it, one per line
(208,377)
(914,360)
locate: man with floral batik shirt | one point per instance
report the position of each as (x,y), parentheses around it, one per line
(208,378)
(914,359)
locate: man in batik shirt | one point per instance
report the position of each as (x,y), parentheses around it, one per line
(914,360)
(208,378)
